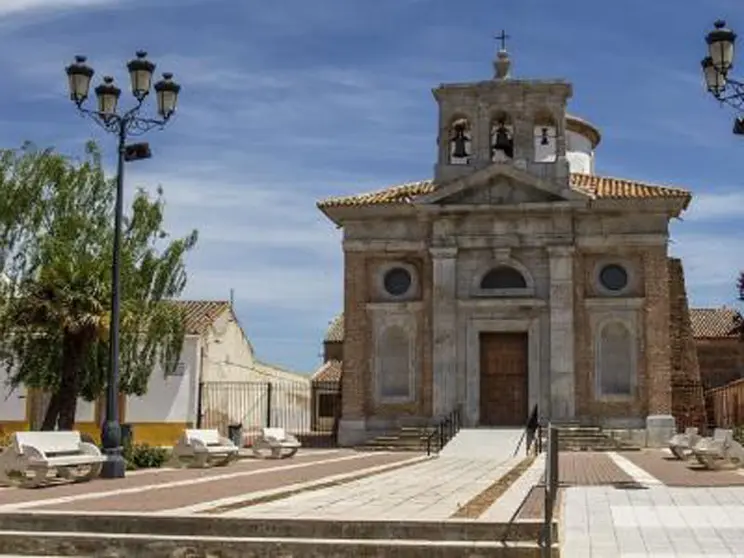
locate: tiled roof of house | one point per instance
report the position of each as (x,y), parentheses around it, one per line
(200,314)
(713,323)
(598,187)
(335,331)
(329,371)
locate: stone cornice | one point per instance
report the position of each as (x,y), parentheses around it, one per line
(614,303)
(506,303)
(353,245)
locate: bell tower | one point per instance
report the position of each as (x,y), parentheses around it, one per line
(503,121)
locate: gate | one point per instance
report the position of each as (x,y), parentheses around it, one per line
(309,411)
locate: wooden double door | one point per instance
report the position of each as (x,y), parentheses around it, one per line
(503,378)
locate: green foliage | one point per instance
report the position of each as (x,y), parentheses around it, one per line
(56,243)
(144,456)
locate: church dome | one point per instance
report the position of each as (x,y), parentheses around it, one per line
(582,138)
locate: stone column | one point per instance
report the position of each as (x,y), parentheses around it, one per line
(562,390)
(444,323)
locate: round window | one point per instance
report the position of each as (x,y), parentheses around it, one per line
(613,277)
(397,281)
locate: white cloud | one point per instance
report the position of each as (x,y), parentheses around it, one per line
(716,207)
(17,7)
(711,261)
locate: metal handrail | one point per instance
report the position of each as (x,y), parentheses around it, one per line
(444,431)
(531,427)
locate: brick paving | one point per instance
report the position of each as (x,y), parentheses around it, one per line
(17,495)
(589,469)
(165,498)
(673,472)
(134,479)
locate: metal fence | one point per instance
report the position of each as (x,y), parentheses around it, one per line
(308,410)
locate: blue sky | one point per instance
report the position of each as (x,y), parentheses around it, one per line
(290,101)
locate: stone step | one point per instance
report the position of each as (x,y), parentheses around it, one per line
(40,523)
(155,546)
(394,442)
(416,449)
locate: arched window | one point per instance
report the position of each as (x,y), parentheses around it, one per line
(503,277)
(394,368)
(615,359)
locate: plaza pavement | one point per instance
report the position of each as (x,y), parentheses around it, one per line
(676,512)
(628,505)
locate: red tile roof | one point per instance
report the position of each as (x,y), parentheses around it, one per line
(200,314)
(598,187)
(713,323)
(330,371)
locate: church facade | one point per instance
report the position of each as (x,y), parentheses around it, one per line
(515,278)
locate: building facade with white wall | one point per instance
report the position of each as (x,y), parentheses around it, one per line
(215,351)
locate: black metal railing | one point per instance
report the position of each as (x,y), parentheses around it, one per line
(443,432)
(532,434)
(550,485)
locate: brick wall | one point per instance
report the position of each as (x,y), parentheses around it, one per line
(356,334)
(688,406)
(656,321)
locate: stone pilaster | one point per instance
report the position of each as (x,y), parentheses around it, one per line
(444,324)
(562,390)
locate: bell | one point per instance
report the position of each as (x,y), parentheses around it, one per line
(503,142)
(460,141)
(544,137)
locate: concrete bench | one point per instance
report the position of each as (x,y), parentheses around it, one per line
(681,444)
(275,443)
(31,456)
(719,451)
(203,448)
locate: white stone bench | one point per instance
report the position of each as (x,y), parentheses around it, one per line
(31,456)
(681,444)
(203,448)
(275,443)
(719,451)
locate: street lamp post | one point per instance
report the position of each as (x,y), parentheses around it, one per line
(716,71)
(123,124)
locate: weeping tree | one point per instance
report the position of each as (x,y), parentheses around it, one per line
(55,302)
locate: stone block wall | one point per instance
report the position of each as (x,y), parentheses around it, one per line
(688,403)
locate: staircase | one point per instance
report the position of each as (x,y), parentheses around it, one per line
(589,438)
(116,535)
(408,438)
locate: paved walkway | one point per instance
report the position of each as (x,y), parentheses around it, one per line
(606,522)
(431,490)
(496,444)
(157,491)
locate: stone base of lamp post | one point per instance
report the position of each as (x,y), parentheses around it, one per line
(115,466)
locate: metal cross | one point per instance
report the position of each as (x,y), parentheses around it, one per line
(502,38)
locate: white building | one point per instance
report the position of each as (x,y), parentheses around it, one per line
(218,382)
